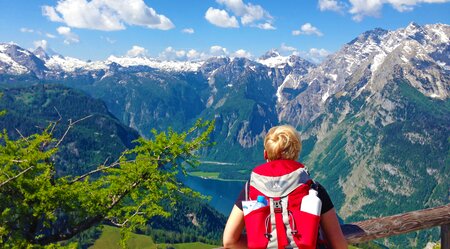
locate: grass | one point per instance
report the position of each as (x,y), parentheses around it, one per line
(210,175)
(203,174)
(193,245)
(111,236)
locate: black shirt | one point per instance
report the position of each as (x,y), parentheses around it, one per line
(322,194)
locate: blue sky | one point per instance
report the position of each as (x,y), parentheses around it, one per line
(196,29)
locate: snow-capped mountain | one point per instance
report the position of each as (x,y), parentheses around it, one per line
(282,66)
(15,60)
(374,113)
(418,54)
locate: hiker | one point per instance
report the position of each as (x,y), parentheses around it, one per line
(282,146)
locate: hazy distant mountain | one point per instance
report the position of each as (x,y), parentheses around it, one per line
(374,115)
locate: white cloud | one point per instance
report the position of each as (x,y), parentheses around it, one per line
(69,37)
(221,18)
(109,40)
(362,8)
(218,51)
(317,55)
(137,51)
(242,53)
(332,5)
(188,31)
(250,14)
(50,35)
(26,30)
(286,48)
(172,54)
(50,12)
(307,29)
(193,54)
(106,15)
(41,43)
(266,26)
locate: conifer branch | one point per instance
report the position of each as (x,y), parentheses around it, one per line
(99,169)
(57,121)
(71,124)
(137,212)
(16,176)
(22,136)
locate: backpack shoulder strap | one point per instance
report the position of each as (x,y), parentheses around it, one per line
(314,185)
(247,188)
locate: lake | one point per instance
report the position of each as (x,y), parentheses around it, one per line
(223,193)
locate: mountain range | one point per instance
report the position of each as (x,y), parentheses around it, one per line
(374,116)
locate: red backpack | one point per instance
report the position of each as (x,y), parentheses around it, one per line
(283,183)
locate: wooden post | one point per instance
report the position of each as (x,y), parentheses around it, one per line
(445,236)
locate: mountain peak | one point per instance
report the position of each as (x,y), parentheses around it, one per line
(270,54)
(41,53)
(413,25)
(375,34)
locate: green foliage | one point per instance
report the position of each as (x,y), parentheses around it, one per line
(89,143)
(39,209)
(193,245)
(192,222)
(110,239)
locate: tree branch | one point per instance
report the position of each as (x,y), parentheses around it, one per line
(16,176)
(99,169)
(57,121)
(127,220)
(71,124)
(22,136)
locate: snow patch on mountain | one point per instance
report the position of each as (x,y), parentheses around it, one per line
(153,63)
(8,64)
(69,64)
(275,62)
(377,61)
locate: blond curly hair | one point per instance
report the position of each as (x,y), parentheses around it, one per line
(282,142)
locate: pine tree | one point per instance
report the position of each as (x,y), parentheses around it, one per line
(38,209)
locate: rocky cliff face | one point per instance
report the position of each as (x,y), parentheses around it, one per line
(366,64)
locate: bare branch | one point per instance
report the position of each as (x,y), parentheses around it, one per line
(22,136)
(112,220)
(16,176)
(81,119)
(57,121)
(71,124)
(100,168)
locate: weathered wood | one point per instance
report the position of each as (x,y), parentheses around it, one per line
(398,224)
(445,236)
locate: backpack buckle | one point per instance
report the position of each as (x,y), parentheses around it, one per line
(277,208)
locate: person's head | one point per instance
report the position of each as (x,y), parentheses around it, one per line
(282,142)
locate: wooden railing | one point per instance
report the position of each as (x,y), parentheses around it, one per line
(400,224)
